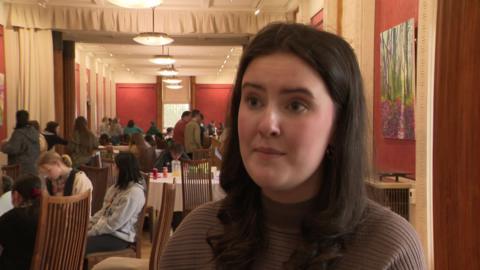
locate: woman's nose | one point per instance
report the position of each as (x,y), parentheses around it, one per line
(269,125)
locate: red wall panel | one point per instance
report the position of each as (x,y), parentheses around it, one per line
(3,126)
(390,154)
(212,100)
(137,102)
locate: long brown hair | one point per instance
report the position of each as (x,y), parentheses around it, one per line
(83,135)
(340,204)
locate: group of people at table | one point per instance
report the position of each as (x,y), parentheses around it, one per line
(293,173)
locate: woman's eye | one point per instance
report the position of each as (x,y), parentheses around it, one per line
(296,106)
(253,102)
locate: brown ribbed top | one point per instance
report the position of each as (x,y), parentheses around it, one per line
(383,241)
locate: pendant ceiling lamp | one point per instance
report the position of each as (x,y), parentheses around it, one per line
(172,80)
(136,3)
(162,59)
(153,38)
(174,86)
(168,72)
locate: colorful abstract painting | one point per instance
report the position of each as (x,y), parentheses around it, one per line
(397,65)
(2,97)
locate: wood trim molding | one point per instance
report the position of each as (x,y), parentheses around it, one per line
(159,93)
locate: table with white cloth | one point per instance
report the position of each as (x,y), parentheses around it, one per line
(155,191)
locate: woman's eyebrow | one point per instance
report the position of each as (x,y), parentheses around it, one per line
(297,90)
(253,85)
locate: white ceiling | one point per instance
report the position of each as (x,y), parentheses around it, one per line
(190,60)
(231,5)
(196,55)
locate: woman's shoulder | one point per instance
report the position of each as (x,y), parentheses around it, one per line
(382,221)
(206,212)
(188,247)
(386,238)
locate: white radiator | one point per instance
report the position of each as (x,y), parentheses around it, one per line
(391,194)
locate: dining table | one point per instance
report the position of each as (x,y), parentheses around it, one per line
(155,190)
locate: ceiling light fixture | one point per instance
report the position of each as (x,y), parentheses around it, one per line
(173,80)
(174,86)
(168,72)
(162,59)
(153,38)
(257,8)
(42,3)
(136,3)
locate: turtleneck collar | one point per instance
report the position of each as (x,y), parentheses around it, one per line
(285,217)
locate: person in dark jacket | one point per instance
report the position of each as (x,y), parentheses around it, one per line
(174,152)
(18,227)
(153,130)
(50,134)
(23,147)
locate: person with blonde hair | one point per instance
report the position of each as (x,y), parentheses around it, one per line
(61,178)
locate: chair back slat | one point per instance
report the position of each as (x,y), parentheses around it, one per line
(112,173)
(99,178)
(11,170)
(196,184)
(62,232)
(164,224)
(201,154)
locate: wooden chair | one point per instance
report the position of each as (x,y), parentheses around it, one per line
(146,159)
(162,234)
(62,232)
(100,181)
(134,250)
(201,154)
(11,170)
(96,160)
(112,173)
(196,184)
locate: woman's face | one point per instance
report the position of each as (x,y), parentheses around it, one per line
(284,124)
(17,199)
(51,171)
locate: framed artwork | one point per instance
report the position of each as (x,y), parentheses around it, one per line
(2,97)
(397,68)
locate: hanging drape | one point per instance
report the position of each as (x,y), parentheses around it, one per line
(175,22)
(29,74)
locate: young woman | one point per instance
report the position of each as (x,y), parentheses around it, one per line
(83,143)
(113,226)
(294,168)
(18,227)
(61,178)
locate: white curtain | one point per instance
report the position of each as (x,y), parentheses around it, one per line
(140,20)
(29,74)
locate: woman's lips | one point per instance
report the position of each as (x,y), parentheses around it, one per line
(268,151)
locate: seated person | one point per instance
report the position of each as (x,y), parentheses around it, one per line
(61,178)
(5,194)
(169,134)
(114,226)
(104,140)
(125,139)
(150,141)
(174,152)
(18,227)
